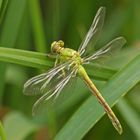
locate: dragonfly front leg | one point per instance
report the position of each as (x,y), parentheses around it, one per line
(52,55)
(56,62)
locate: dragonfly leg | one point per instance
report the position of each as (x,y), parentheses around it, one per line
(51,55)
(56,62)
(63,73)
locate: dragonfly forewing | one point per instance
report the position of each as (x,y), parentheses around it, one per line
(94,30)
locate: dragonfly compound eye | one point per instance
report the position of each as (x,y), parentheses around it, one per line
(56,46)
(61,43)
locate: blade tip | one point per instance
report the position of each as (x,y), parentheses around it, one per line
(103,8)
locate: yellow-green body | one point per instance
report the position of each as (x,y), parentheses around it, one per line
(69,63)
(67,54)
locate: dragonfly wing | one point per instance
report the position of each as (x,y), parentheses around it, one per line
(54,92)
(94,30)
(37,84)
(107,50)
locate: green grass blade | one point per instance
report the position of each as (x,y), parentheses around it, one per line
(41,61)
(26,58)
(0,4)
(130,116)
(3,5)
(91,111)
(13,18)
(56,19)
(99,72)
(20,130)
(36,21)
(9,31)
(2,133)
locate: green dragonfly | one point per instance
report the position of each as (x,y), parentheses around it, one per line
(69,63)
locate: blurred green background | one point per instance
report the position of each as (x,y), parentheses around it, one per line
(33,25)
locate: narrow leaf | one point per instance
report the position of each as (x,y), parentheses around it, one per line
(36,20)
(26,58)
(9,31)
(3,5)
(130,116)
(41,61)
(17,126)
(2,133)
(0,4)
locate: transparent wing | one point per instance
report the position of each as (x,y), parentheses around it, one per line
(54,92)
(107,50)
(37,84)
(94,30)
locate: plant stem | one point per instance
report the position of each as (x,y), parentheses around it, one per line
(2,133)
(37,23)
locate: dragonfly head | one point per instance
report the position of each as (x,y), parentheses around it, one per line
(56,46)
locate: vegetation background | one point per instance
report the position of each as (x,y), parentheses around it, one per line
(32,25)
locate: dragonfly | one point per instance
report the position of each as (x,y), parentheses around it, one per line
(70,63)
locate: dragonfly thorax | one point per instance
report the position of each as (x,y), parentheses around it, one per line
(66,54)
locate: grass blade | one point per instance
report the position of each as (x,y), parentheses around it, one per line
(90,112)
(41,61)
(18,131)
(2,133)
(13,18)
(3,5)
(26,58)
(0,3)
(8,34)
(130,116)
(36,20)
